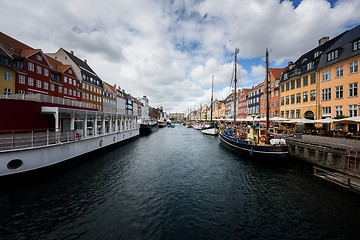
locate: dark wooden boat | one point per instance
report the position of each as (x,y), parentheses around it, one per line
(256,142)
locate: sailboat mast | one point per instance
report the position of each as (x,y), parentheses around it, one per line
(235,80)
(267,90)
(211,100)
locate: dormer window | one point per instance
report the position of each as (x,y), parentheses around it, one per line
(310,65)
(317,54)
(39,57)
(333,55)
(356,45)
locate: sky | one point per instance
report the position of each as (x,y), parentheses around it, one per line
(168,50)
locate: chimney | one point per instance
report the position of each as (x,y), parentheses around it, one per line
(290,63)
(72,52)
(85,60)
(323,40)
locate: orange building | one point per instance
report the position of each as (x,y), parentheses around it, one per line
(339,78)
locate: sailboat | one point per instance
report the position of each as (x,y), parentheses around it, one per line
(211,130)
(256,142)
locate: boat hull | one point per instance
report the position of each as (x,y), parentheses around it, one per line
(37,158)
(146,129)
(243,148)
(210,131)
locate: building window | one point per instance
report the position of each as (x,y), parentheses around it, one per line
(30,81)
(298,114)
(282,88)
(287,86)
(292,114)
(39,57)
(326,111)
(46,85)
(282,114)
(312,78)
(52,87)
(65,90)
(39,69)
(305,96)
(310,66)
(292,99)
(298,98)
(30,66)
(353,89)
(287,100)
(7,91)
(65,79)
(287,113)
(70,81)
(292,84)
(60,89)
(312,95)
(353,111)
(339,71)
(326,94)
(338,111)
(326,75)
(46,72)
(298,83)
(21,79)
(305,81)
(333,55)
(38,83)
(356,45)
(7,76)
(353,67)
(339,92)
(282,101)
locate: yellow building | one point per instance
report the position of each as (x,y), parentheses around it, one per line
(7,75)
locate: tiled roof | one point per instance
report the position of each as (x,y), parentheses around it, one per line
(276,71)
(12,45)
(57,65)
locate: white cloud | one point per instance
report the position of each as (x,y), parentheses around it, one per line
(168,50)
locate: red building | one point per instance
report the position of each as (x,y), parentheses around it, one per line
(243,103)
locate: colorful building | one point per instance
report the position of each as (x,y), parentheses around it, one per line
(339,78)
(300,84)
(91,84)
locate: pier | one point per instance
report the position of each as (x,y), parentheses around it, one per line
(335,159)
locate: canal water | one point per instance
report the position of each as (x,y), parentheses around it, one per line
(179,184)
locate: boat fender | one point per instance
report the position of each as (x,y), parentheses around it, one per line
(78,136)
(262,139)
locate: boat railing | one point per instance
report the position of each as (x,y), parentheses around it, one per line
(40,138)
(17,141)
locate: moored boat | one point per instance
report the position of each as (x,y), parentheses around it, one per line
(210,128)
(148,127)
(68,133)
(255,142)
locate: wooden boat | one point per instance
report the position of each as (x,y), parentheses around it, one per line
(255,142)
(211,129)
